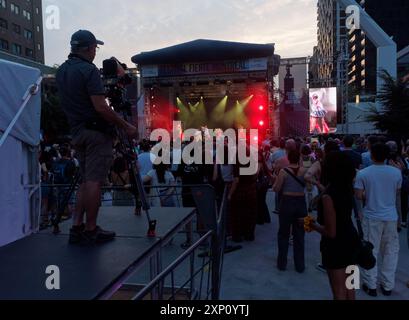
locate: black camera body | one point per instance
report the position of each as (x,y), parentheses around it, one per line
(115,81)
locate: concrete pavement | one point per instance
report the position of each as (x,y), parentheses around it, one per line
(251,273)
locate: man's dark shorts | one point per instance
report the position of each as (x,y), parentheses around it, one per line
(94,153)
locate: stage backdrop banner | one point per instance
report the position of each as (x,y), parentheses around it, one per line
(222,67)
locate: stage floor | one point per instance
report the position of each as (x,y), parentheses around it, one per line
(85,272)
(123,221)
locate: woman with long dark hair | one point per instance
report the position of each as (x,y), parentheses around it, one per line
(340,239)
(264,182)
(162,192)
(243,204)
(290,183)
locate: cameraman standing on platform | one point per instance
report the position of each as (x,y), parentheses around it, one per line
(92,121)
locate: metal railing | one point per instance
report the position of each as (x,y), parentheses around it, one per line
(157,290)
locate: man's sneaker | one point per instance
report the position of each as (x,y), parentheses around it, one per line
(370,292)
(386,293)
(98,236)
(76,234)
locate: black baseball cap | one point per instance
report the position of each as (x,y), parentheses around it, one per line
(84,38)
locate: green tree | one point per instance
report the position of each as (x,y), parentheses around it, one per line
(53,120)
(393,116)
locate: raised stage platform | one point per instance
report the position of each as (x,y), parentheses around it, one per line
(87,272)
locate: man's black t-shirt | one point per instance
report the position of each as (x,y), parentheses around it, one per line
(191,174)
(78,80)
(355,157)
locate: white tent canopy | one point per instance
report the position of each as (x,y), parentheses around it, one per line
(15,79)
(19,169)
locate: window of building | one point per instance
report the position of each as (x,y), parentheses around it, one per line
(27,15)
(29,53)
(16,49)
(39,46)
(4,44)
(28,34)
(3,4)
(15,8)
(37,11)
(3,23)
(16,28)
(38,28)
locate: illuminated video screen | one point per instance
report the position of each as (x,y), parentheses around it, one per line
(323,110)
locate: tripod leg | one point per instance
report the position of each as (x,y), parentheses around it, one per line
(61,206)
(136,180)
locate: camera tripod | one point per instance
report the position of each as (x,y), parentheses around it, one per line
(137,188)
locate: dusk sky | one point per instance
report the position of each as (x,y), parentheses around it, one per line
(129,27)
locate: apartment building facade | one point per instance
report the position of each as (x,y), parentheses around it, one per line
(21,29)
(393,17)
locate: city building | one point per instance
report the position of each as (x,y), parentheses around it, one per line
(331,36)
(328,67)
(21,29)
(392,17)
(403,63)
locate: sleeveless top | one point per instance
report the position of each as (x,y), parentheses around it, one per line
(292,185)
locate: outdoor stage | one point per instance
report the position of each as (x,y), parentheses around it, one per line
(88,272)
(208,84)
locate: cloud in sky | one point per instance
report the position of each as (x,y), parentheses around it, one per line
(129,27)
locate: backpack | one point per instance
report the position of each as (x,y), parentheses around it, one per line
(63,171)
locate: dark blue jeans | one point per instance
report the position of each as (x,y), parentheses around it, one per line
(291,209)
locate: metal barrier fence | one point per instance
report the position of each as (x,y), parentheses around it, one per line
(189,290)
(56,203)
(214,219)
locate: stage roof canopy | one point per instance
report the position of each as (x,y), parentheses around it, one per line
(204,50)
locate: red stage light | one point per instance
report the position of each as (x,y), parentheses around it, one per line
(261,108)
(256,139)
(261,123)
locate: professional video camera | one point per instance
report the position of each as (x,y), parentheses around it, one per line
(115,81)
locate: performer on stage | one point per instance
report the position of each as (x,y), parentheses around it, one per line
(318,124)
